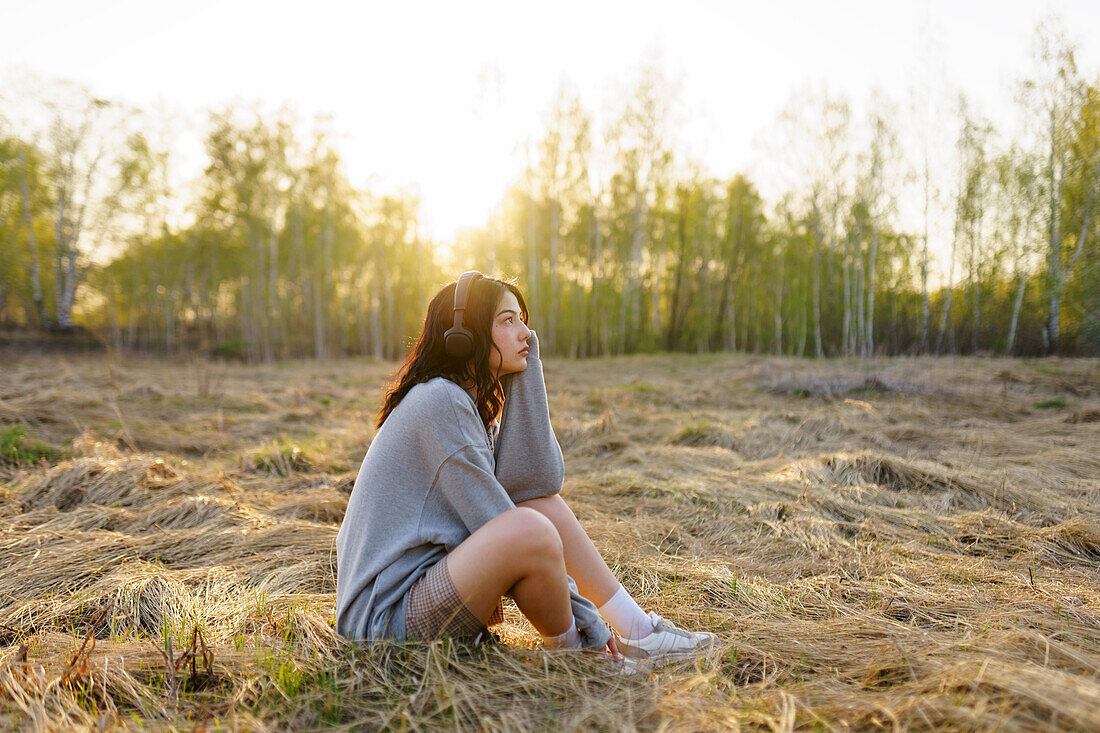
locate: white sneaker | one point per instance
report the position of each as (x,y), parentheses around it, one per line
(667,642)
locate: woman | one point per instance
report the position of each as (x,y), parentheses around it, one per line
(457,504)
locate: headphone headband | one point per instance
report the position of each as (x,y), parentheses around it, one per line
(458,340)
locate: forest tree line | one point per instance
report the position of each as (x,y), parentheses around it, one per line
(621,243)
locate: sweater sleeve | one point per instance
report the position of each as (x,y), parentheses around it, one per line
(465,483)
(529,462)
(594,632)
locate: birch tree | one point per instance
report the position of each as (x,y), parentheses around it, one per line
(877,189)
(562,173)
(813,147)
(82,133)
(1056,94)
(641,137)
(1018,211)
(927,105)
(28,218)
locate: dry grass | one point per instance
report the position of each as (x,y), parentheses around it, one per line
(899,545)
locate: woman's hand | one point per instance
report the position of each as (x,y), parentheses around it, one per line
(613,649)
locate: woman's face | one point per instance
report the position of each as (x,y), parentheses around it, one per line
(510,334)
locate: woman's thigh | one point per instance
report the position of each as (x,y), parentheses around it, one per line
(499,554)
(594,579)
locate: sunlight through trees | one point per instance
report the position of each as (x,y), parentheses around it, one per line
(622,243)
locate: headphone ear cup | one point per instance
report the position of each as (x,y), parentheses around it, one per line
(458,341)
(459,344)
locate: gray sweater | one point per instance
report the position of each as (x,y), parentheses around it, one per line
(529,460)
(426,483)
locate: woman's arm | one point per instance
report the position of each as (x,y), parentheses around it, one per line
(529,463)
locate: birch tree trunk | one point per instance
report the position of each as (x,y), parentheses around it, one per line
(869,343)
(1059,270)
(248,297)
(276,330)
(77,195)
(655,292)
(65,315)
(532,252)
(1010,342)
(945,316)
(858,291)
(925,309)
(732,315)
(1054,243)
(60,258)
(800,348)
(818,351)
(846,323)
(320,293)
(779,308)
(592,323)
(678,278)
(633,323)
(555,223)
(28,221)
(706,282)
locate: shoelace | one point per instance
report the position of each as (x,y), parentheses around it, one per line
(664,625)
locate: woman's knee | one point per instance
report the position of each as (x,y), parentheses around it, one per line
(530,533)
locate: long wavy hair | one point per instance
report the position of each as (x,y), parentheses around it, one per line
(429,359)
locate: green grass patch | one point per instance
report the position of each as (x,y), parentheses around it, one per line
(302,453)
(1052,403)
(698,433)
(646,389)
(280,457)
(17,448)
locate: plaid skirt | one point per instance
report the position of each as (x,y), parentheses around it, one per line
(435,609)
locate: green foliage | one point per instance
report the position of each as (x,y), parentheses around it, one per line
(236,349)
(1053,402)
(620,244)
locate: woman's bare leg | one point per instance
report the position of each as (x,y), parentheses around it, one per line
(519,554)
(583,561)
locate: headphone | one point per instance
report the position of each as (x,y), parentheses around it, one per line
(458,340)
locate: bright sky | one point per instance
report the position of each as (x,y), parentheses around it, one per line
(444,95)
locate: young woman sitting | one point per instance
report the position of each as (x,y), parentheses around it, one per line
(457,502)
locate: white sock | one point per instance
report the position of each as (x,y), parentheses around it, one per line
(568,640)
(626,616)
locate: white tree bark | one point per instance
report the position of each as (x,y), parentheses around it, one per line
(36,280)
(925,308)
(555,225)
(869,341)
(1010,342)
(945,316)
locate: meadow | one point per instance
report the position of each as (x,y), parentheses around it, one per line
(881,544)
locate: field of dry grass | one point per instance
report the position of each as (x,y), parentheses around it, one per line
(908,544)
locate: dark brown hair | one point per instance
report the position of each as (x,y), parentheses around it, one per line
(429,359)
